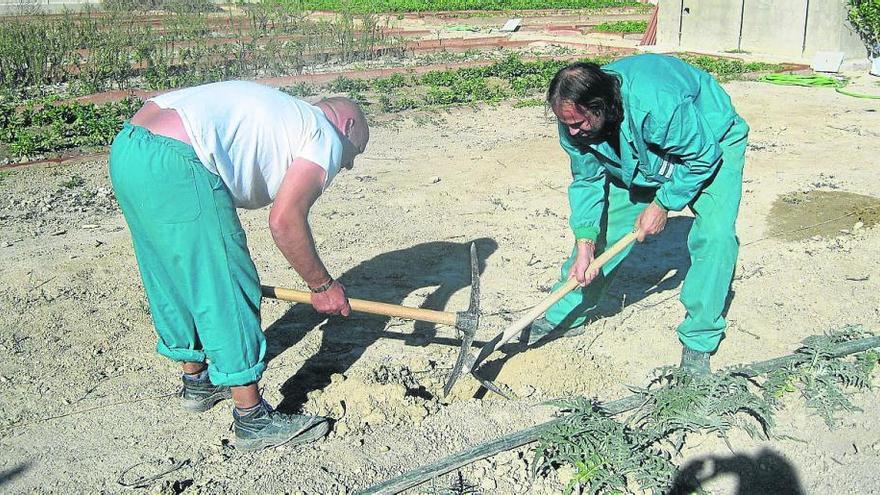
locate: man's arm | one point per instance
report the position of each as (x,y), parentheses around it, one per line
(586,197)
(289,224)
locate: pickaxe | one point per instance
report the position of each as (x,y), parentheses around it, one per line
(468,362)
(466,322)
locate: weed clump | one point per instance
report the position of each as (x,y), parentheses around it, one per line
(607,455)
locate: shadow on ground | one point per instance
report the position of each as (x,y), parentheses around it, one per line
(9,475)
(764,472)
(434,269)
(655,266)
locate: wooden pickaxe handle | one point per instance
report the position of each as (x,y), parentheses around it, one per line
(364,306)
(471,361)
(517,326)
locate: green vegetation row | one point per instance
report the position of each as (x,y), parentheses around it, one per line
(86,53)
(622,27)
(43,126)
(47,128)
(446,5)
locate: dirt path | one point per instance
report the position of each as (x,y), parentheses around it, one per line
(75,333)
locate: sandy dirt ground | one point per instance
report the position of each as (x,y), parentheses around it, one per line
(87,406)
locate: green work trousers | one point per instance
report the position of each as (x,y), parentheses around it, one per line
(192,253)
(712,245)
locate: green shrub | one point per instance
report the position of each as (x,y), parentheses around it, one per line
(864,15)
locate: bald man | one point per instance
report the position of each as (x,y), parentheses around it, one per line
(180,169)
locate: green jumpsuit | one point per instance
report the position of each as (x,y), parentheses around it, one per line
(682,144)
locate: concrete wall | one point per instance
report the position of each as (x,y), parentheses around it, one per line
(794,29)
(711,23)
(823,19)
(775,27)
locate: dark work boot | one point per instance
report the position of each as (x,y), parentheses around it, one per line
(542,327)
(198,394)
(694,361)
(261,427)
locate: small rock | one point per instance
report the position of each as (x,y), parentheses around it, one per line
(435,179)
(337,378)
(858,226)
(488,484)
(4,379)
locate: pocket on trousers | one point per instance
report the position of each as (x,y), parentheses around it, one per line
(175,197)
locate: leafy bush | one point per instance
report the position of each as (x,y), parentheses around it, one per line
(37,50)
(864,15)
(386,84)
(300,89)
(344,84)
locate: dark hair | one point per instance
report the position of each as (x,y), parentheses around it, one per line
(588,86)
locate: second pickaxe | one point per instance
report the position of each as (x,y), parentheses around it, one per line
(468,362)
(465,322)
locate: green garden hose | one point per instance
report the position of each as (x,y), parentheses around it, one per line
(813,80)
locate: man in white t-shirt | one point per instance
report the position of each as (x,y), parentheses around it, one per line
(180,169)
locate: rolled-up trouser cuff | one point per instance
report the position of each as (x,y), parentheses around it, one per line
(245,377)
(181,355)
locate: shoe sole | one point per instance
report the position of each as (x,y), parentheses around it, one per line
(200,406)
(306,435)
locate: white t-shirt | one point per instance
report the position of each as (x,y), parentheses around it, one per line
(249,134)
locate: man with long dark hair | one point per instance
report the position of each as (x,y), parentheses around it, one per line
(646,135)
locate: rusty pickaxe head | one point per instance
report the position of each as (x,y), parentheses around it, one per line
(468,322)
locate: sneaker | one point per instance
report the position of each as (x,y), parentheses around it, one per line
(199,394)
(541,327)
(694,361)
(263,428)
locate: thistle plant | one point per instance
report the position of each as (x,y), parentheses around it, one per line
(608,456)
(823,380)
(636,454)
